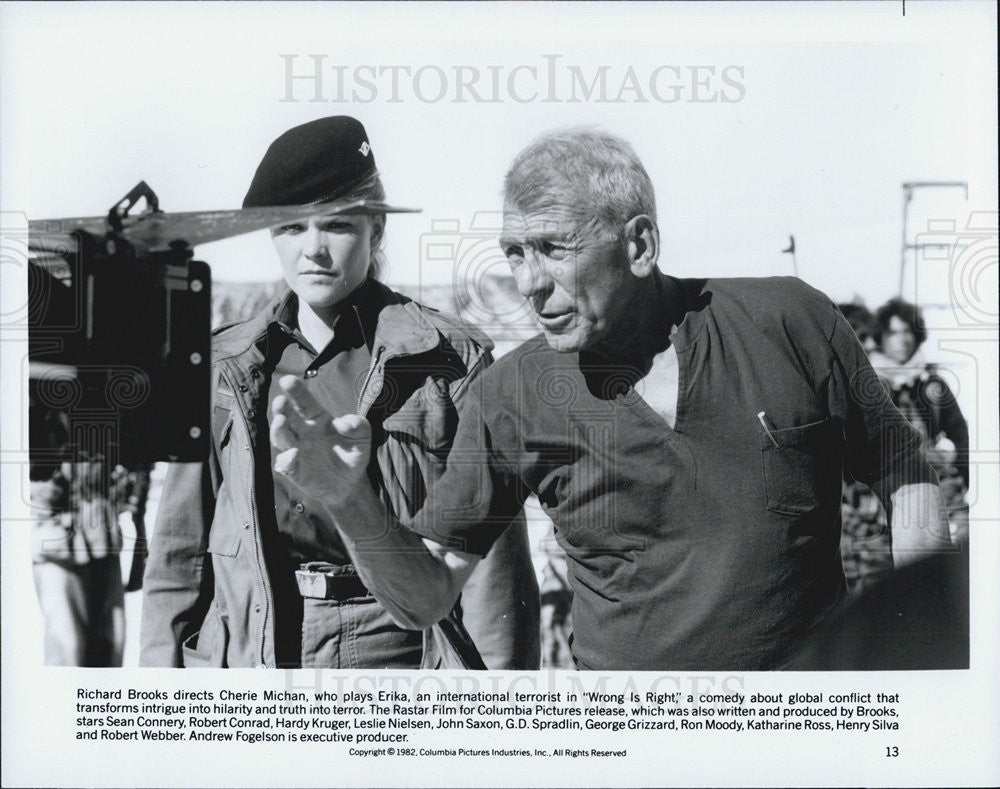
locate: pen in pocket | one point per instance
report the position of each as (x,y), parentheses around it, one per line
(763,424)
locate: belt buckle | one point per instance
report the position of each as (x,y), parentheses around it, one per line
(323,581)
(312,583)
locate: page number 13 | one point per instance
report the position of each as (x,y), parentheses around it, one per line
(891,751)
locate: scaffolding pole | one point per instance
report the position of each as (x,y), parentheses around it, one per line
(909,188)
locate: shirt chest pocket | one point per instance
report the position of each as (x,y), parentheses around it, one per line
(222,428)
(801,468)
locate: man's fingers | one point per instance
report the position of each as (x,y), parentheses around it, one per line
(352,427)
(282,434)
(285,462)
(352,442)
(300,398)
(282,407)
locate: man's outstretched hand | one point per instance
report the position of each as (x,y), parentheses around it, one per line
(323,456)
(417,580)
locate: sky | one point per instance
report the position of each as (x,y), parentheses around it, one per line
(752,131)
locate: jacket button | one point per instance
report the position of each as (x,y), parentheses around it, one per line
(312,372)
(256,608)
(300,507)
(251,413)
(244,388)
(246,524)
(254,372)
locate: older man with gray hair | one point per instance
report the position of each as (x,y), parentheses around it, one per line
(687,437)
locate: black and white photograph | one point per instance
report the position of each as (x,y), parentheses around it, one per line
(528,393)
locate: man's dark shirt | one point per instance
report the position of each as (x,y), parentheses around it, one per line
(710,546)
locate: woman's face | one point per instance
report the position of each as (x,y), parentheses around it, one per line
(324,258)
(899,343)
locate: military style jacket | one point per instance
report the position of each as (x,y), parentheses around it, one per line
(208,598)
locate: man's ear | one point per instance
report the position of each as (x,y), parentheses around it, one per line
(642,244)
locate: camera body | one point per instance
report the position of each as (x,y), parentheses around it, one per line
(119,349)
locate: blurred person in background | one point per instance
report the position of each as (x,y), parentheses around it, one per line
(75,544)
(864,546)
(78,508)
(556,605)
(75,564)
(923,397)
(918,617)
(131,494)
(863,323)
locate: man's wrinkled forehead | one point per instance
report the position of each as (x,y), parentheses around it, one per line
(556,220)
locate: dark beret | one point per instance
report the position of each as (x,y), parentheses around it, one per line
(316,162)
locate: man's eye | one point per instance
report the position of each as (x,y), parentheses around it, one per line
(554,251)
(514,255)
(291,229)
(337,226)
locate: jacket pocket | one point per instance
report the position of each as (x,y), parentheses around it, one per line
(222,425)
(223,539)
(798,467)
(207,648)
